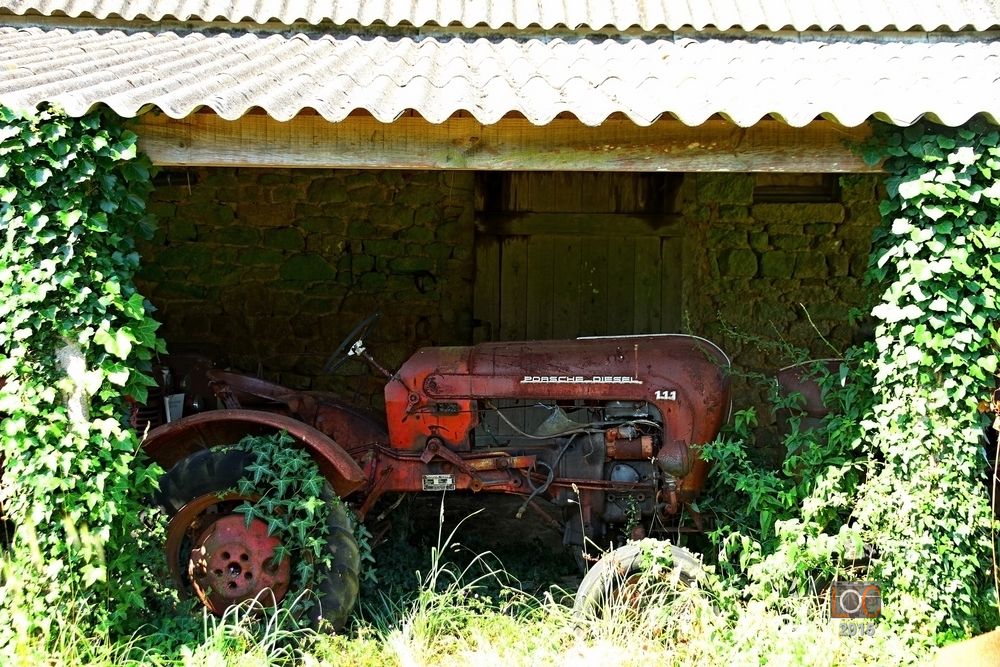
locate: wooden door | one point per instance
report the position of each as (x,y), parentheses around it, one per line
(542,272)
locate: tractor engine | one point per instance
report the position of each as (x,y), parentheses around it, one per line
(602,427)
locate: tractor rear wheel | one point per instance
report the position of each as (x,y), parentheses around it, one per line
(617,579)
(214,554)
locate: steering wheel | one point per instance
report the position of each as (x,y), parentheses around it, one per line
(344,350)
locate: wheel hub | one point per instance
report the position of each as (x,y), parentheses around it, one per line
(232,562)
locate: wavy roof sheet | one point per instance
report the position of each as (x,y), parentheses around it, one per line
(233,72)
(772,15)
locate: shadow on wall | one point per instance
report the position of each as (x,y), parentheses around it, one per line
(267,270)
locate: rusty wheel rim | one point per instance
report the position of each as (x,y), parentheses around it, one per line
(232,561)
(222,551)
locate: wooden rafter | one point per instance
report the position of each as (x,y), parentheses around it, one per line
(410,142)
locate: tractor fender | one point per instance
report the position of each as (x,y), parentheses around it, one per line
(171,442)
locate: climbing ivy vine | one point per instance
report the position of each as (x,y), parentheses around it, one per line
(892,486)
(75,336)
(936,262)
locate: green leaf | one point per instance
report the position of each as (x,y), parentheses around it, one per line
(118,344)
(901,226)
(988,363)
(964,155)
(911,189)
(945,142)
(94,574)
(933,212)
(119,377)
(939,304)
(38,176)
(275,526)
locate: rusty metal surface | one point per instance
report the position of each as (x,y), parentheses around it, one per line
(801,379)
(643,402)
(248,390)
(171,442)
(628,449)
(231,562)
(675,457)
(348,426)
(685,377)
(186,525)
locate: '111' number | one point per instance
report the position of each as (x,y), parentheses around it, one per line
(665,395)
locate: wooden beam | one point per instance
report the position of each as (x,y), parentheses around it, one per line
(410,142)
(580,224)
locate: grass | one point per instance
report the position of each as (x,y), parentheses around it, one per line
(468,610)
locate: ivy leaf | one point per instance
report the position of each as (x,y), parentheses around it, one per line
(118,344)
(988,363)
(248,510)
(93,574)
(964,155)
(891,313)
(945,142)
(275,525)
(911,189)
(118,375)
(313,486)
(38,177)
(920,270)
(933,212)
(939,305)
(280,553)
(258,470)
(311,504)
(901,226)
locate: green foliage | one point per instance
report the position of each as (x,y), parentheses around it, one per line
(936,261)
(295,502)
(785,530)
(891,486)
(75,337)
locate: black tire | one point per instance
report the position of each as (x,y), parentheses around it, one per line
(205,471)
(214,470)
(605,580)
(338,592)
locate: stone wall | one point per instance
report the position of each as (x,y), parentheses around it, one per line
(763,278)
(267,270)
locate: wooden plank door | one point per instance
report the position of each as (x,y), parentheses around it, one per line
(549,285)
(567,254)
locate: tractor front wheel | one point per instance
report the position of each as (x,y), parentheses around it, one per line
(216,555)
(618,580)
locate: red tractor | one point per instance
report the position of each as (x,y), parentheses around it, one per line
(602,428)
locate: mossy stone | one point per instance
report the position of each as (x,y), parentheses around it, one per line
(284,238)
(798,213)
(411,264)
(810,265)
(724,188)
(307,267)
(777,264)
(738,263)
(182,229)
(327,191)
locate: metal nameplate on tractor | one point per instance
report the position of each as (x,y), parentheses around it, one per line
(439,482)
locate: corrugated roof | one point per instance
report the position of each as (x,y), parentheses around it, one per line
(594,14)
(233,72)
